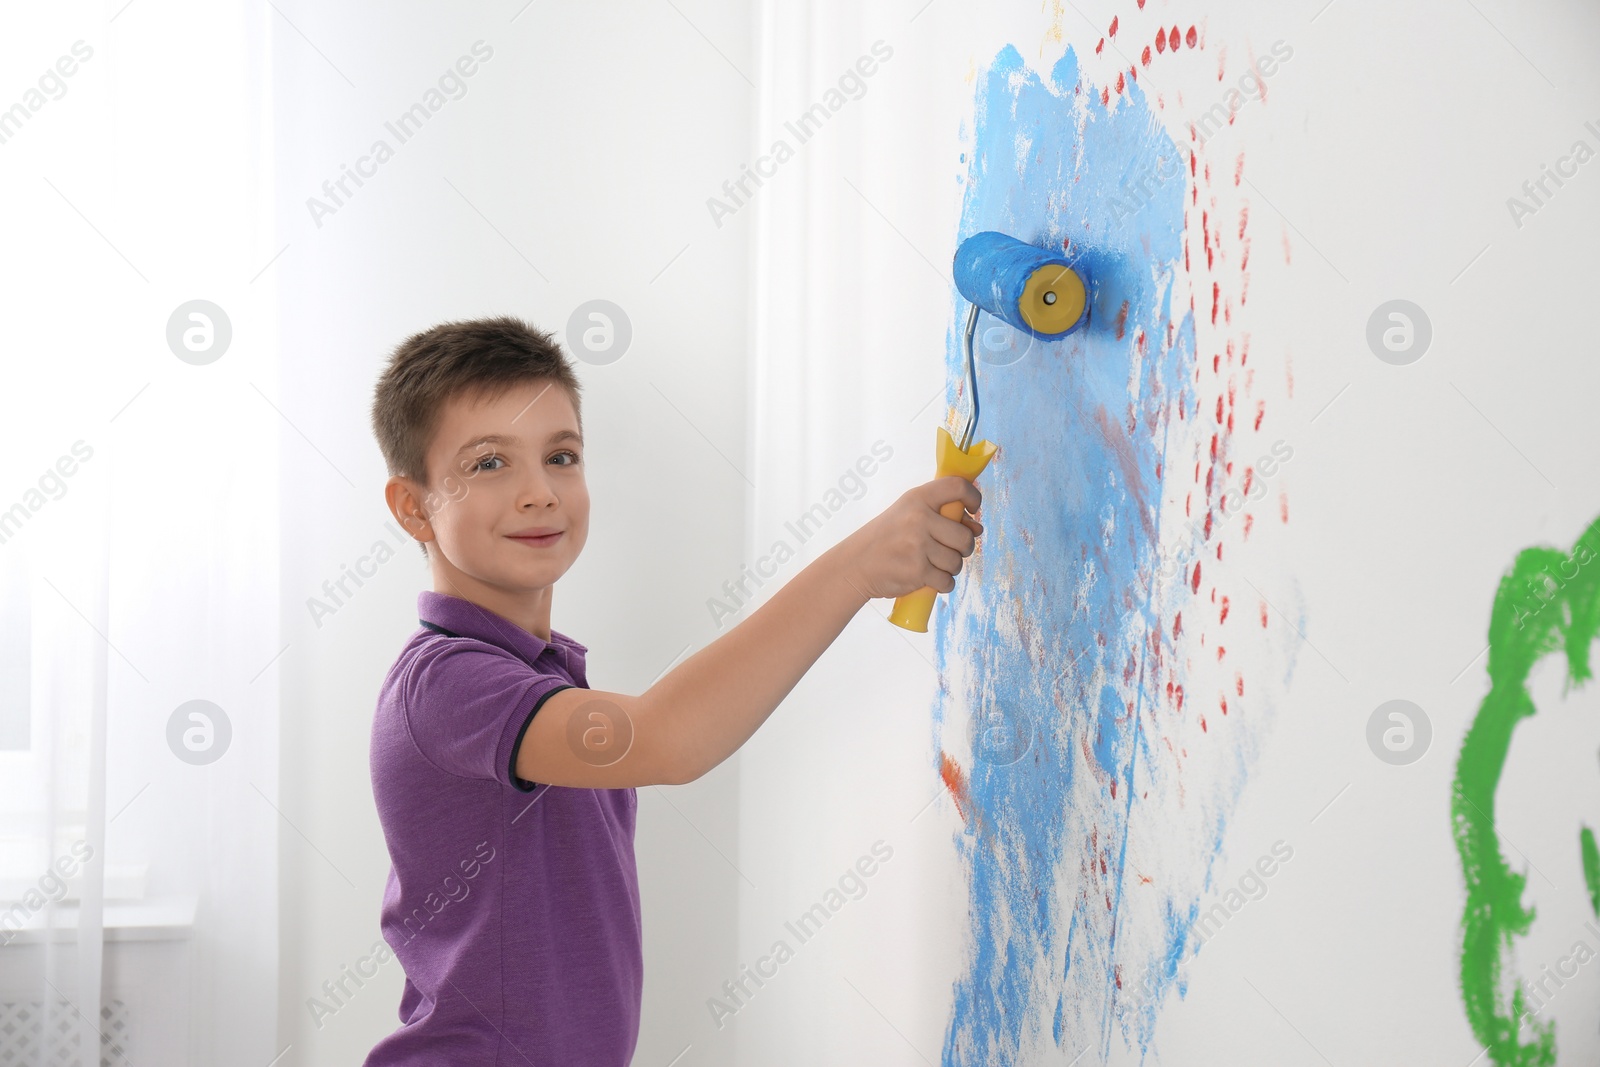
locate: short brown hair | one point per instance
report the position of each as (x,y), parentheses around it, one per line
(431,368)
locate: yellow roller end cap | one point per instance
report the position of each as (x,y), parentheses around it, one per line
(1052,301)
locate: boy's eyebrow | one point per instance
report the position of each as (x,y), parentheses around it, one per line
(513,442)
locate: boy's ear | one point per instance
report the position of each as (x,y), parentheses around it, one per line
(405,503)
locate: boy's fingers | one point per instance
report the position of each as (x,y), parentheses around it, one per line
(954,487)
(955,535)
(946,559)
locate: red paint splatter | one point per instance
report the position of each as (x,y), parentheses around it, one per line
(1220,653)
(1238,170)
(954,781)
(1177,625)
(1238,681)
(1099,46)
(1172,39)
(1223,617)
(1120,82)
(1194,585)
(1216,296)
(1219,407)
(1105,97)
(1144,57)
(1190,38)
(1161,40)
(1112,32)
(1122,320)
(1203,727)
(1249,521)
(1261,411)
(1180,697)
(1244,219)
(1263,614)
(1283,506)
(1224,703)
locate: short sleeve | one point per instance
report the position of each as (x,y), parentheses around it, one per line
(467,706)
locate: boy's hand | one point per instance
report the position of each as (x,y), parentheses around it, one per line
(910,545)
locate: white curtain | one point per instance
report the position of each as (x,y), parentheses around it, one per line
(853,307)
(138,538)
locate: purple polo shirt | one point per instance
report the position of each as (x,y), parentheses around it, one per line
(513,907)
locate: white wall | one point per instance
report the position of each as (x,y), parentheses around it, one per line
(1388,147)
(575,167)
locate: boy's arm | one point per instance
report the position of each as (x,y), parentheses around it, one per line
(703,710)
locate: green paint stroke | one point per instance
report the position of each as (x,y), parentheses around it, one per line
(1549,601)
(1591,867)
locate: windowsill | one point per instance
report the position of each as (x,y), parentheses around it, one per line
(122,881)
(155,919)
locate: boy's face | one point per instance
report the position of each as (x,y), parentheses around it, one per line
(499,469)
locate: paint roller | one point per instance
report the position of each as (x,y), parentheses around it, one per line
(1030,289)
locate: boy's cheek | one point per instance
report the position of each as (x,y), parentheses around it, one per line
(455,489)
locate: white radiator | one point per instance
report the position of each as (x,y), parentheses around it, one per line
(25,1043)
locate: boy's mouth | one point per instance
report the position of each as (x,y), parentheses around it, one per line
(538,536)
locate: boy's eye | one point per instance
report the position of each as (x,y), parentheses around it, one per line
(480,464)
(574,456)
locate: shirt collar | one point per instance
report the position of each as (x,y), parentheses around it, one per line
(464,618)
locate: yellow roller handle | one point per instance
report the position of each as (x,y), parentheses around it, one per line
(912,610)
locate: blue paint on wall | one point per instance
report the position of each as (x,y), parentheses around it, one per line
(1047,638)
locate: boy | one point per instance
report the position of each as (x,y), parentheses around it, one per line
(505,785)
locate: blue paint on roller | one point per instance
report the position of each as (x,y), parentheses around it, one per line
(991,268)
